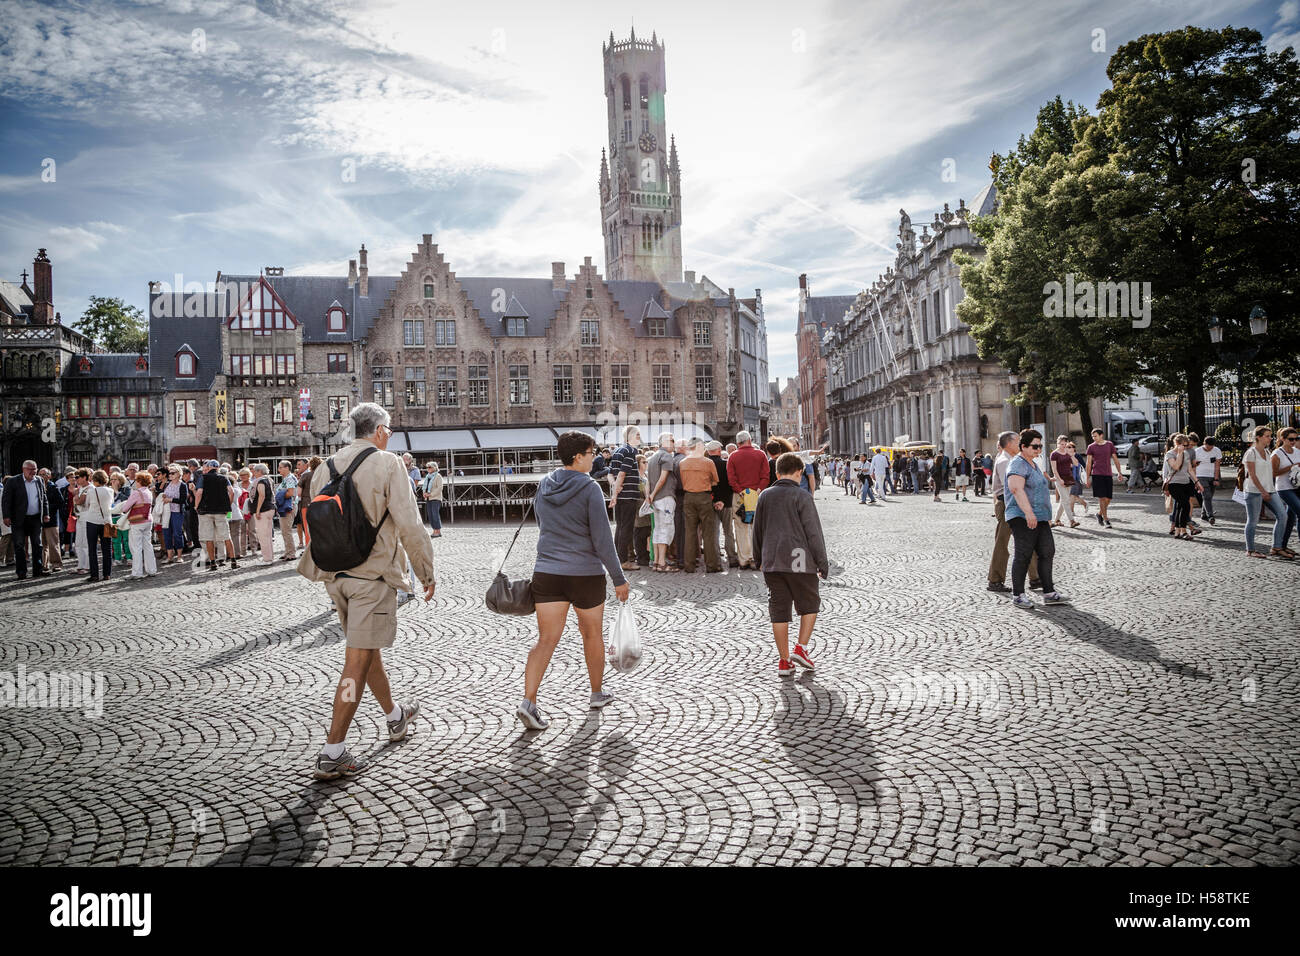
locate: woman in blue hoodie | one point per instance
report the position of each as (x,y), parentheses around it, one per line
(574,550)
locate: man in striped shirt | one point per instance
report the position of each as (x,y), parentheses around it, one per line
(625,497)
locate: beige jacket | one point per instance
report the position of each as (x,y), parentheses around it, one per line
(384,486)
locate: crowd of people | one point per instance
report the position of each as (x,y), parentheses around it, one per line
(106,519)
(678,506)
(911,473)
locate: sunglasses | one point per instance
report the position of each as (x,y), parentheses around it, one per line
(1036,445)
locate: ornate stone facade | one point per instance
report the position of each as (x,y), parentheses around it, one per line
(903,362)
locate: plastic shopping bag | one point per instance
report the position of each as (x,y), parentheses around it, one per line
(624,649)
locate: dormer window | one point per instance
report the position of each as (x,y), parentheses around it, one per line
(336,320)
(187,363)
(656,328)
(516,327)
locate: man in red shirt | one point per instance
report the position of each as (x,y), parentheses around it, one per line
(746,470)
(1101,468)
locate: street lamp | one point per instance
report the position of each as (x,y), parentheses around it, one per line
(1258,323)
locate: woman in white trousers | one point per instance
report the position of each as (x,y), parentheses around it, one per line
(138,507)
(79,544)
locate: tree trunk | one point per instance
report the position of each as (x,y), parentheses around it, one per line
(1196,399)
(1085,417)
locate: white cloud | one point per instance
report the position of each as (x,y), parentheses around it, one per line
(485,127)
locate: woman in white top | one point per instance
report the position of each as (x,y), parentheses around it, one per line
(1286,470)
(98,514)
(1260,488)
(79,543)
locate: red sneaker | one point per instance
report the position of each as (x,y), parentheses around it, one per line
(785,668)
(800,657)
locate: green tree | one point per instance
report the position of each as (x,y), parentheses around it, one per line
(114,326)
(1202,125)
(1048,226)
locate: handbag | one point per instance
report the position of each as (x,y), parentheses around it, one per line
(505,596)
(110,530)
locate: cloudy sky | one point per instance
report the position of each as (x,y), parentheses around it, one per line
(191,136)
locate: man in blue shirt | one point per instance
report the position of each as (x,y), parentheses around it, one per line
(1029,516)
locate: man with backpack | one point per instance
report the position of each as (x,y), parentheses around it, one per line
(363,526)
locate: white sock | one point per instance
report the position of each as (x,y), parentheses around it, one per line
(333,751)
(397,712)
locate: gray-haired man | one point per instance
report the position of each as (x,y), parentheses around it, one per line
(1009,447)
(366,595)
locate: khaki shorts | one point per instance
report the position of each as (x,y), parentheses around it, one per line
(665,509)
(213,528)
(367,611)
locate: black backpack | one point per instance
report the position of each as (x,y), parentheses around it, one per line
(338,533)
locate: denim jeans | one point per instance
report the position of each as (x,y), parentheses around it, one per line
(1255,504)
(1292,501)
(1206,491)
(866,489)
(434,511)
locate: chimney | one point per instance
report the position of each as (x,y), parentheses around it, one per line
(363,274)
(43,298)
(803,280)
(690,276)
(352,273)
(557,275)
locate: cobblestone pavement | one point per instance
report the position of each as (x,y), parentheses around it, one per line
(1143,724)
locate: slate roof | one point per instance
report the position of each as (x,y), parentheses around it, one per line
(170,328)
(13,299)
(106,365)
(535,299)
(985,201)
(827,308)
(309,299)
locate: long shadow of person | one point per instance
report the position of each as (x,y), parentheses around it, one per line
(1090,629)
(829,747)
(285,840)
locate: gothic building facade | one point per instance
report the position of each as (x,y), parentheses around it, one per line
(903,366)
(63,401)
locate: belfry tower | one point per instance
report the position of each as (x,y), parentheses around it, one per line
(640,181)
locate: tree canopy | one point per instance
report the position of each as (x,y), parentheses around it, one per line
(1187,178)
(114,326)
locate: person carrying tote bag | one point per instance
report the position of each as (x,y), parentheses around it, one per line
(98,522)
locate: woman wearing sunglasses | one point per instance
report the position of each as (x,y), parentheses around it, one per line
(1029,516)
(1286,471)
(1261,492)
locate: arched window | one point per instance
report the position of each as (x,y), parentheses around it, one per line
(337,320)
(186,363)
(645,93)
(627,93)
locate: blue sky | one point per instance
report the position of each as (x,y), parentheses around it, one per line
(191,136)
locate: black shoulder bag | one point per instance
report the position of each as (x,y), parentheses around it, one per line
(511,597)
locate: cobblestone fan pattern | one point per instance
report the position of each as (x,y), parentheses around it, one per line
(1141,725)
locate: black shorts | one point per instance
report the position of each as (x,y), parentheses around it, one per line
(786,586)
(1103,486)
(583,591)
